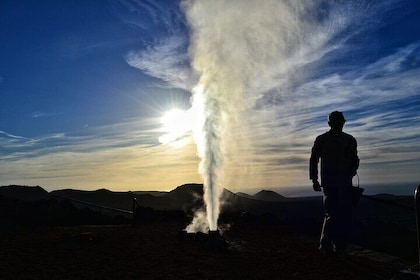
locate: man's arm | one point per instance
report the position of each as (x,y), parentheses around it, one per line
(313,166)
(356,161)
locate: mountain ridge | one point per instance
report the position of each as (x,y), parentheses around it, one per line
(183,197)
(33,205)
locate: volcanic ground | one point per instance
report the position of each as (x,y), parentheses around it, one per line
(160,250)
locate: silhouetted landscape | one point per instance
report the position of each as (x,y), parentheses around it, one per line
(73,234)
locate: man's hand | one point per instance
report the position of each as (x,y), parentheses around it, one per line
(316,185)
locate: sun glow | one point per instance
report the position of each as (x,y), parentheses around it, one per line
(176,123)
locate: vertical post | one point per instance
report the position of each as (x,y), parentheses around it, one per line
(134,207)
(417,202)
(136,204)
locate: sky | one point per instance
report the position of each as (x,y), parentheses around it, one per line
(85,86)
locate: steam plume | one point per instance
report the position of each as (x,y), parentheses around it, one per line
(241,49)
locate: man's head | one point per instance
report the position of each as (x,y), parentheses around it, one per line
(336,120)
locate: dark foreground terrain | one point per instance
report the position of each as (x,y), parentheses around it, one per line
(100,234)
(159,250)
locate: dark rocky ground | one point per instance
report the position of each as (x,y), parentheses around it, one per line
(42,237)
(159,250)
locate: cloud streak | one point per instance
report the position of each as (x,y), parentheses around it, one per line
(165,57)
(166,60)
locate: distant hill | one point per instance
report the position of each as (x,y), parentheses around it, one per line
(181,198)
(185,197)
(186,192)
(263,195)
(101,197)
(153,193)
(190,196)
(377,219)
(269,196)
(245,195)
(24,193)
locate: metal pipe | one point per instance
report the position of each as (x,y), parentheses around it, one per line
(417,202)
(100,207)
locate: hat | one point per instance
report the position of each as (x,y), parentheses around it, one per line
(336,117)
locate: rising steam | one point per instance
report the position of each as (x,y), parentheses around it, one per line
(242,49)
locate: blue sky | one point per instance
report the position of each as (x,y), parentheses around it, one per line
(84,85)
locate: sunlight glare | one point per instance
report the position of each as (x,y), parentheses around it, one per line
(176,124)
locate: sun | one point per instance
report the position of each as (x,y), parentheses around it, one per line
(176,123)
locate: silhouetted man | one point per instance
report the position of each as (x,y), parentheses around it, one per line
(339,162)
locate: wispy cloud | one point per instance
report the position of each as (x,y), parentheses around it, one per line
(145,14)
(127,133)
(14,137)
(39,114)
(164,56)
(167,61)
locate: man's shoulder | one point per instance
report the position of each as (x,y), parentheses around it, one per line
(349,136)
(322,136)
(328,135)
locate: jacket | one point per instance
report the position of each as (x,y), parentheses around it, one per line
(339,160)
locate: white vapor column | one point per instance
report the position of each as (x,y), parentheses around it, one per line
(241,49)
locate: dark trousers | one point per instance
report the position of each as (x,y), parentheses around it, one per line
(338,218)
